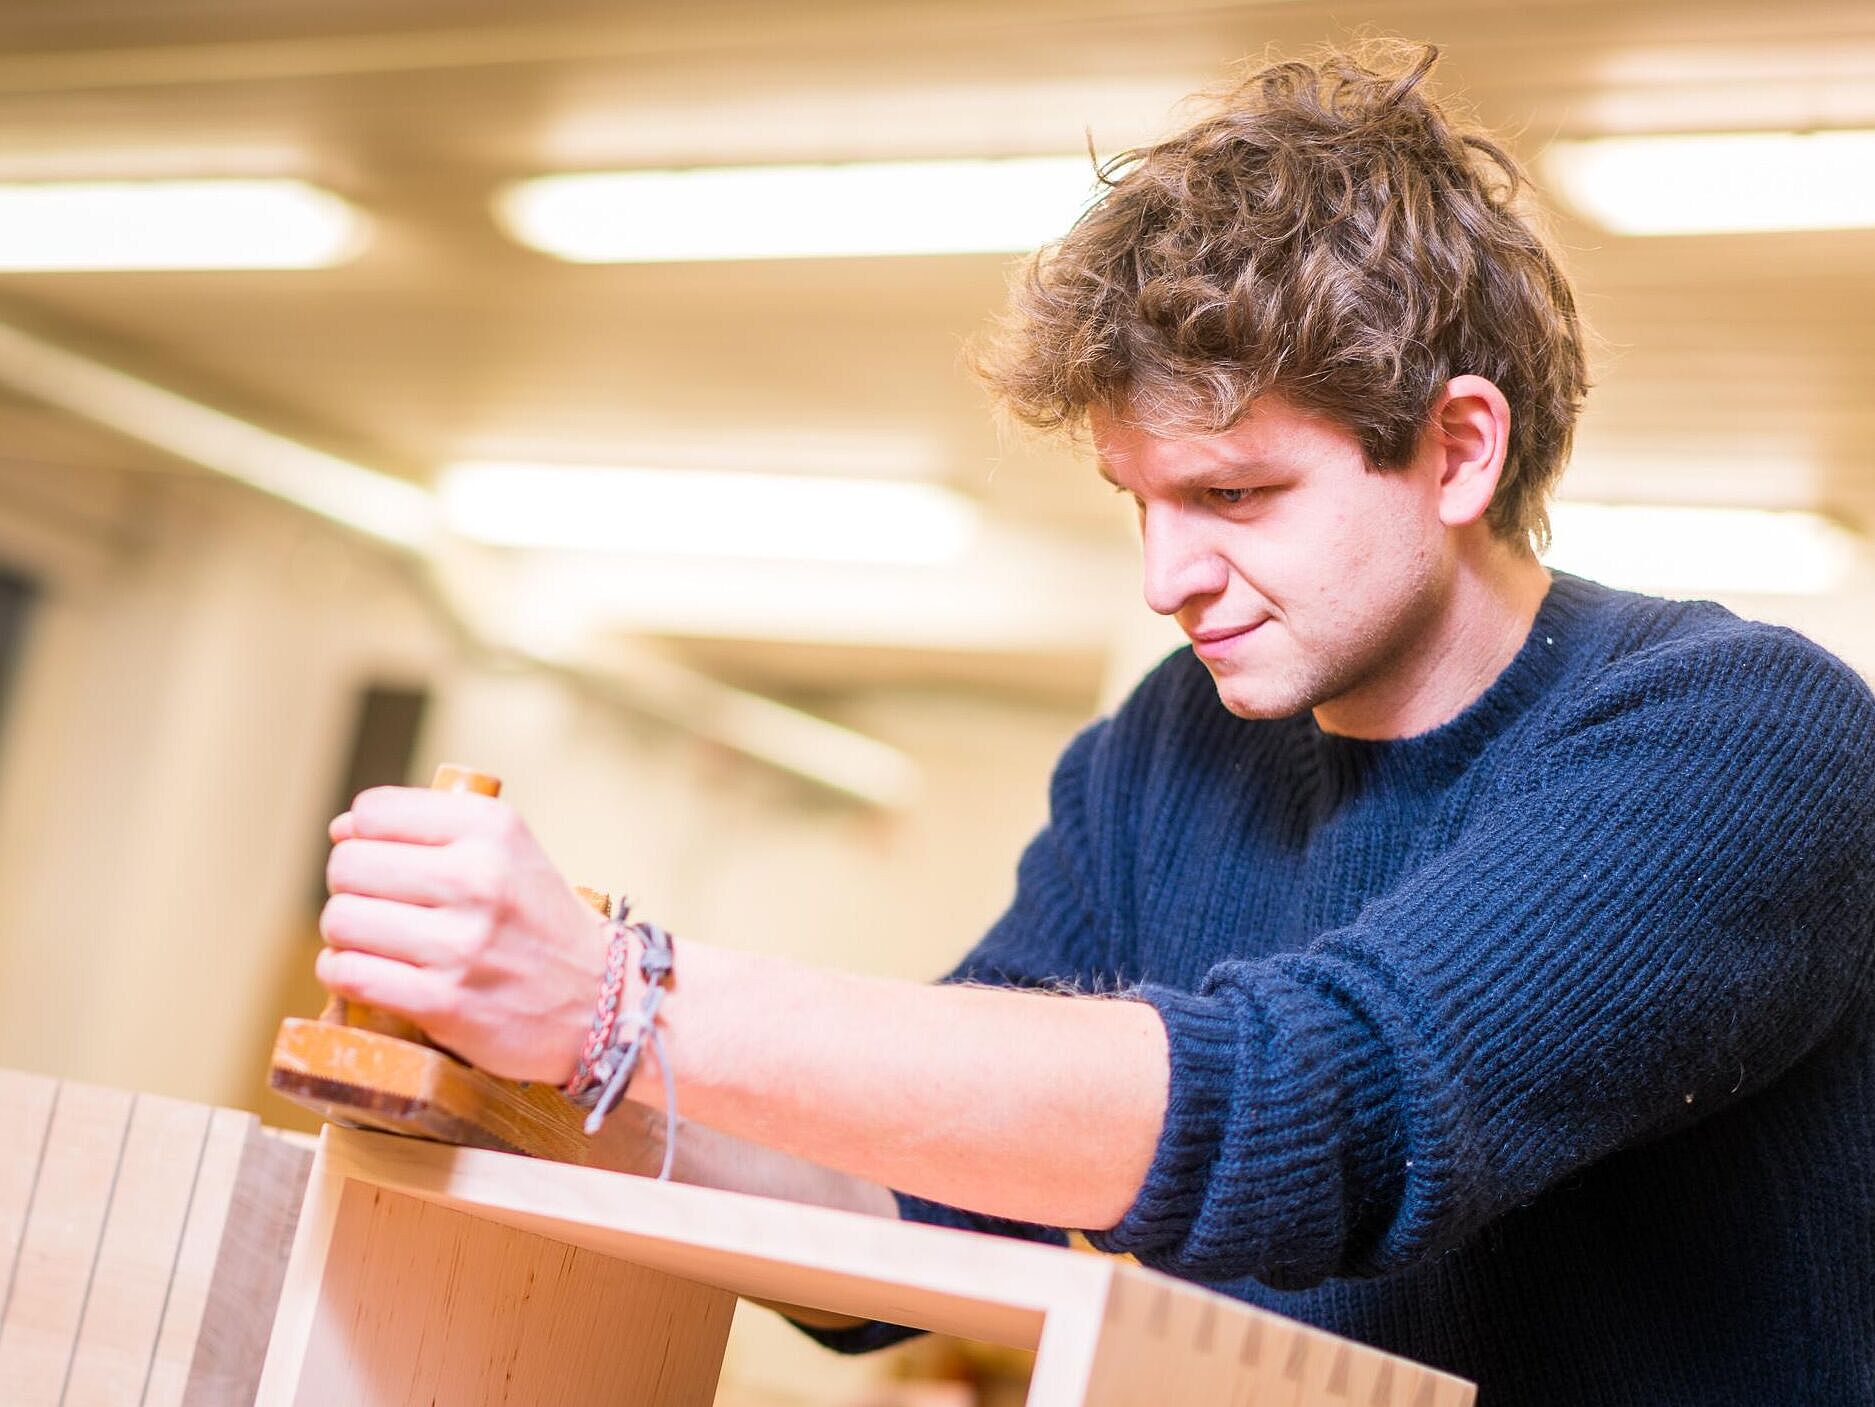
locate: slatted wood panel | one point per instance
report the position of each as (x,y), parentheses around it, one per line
(116,1213)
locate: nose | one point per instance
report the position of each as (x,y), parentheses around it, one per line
(1177,562)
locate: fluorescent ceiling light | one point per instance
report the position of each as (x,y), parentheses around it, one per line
(799,212)
(1720,182)
(1683,551)
(209,224)
(703,513)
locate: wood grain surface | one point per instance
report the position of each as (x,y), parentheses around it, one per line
(114,1212)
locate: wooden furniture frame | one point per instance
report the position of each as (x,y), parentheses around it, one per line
(426,1273)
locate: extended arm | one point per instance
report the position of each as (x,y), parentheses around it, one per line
(1025,1105)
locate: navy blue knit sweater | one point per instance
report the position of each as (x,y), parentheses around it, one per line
(1537,1047)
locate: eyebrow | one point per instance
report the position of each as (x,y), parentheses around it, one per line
(1250,467)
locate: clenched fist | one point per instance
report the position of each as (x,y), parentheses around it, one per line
(446,910)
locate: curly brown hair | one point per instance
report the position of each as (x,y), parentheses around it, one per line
(1329,232)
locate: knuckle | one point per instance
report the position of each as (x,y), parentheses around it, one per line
(480,883)
(477,935)
(482,875)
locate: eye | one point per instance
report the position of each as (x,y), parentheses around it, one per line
(1232,498)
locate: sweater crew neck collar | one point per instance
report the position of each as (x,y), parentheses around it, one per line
(1430,757)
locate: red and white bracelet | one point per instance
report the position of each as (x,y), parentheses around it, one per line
(616,1043)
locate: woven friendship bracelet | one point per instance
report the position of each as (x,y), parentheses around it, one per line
(605,1015)
(610,1074)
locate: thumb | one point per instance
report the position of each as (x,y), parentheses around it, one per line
(342,828)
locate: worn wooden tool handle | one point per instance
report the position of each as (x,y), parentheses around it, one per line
(339,1011)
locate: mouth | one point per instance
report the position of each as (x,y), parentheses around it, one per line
(1216,644)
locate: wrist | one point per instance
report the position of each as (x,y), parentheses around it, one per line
(627,1033)
(607,988)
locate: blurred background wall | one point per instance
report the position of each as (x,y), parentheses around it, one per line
(244,564)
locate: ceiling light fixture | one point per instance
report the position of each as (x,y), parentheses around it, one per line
(847,210)
(705,513)
(55,226)
(1687,551)
(1719,182)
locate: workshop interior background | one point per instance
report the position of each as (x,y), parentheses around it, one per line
(255,549)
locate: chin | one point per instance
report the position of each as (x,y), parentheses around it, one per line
(1261,698)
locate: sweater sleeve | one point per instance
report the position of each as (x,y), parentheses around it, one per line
(1049,938)
(1664,909)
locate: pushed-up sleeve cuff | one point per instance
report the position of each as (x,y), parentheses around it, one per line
(1278,1134)
(1201,1050)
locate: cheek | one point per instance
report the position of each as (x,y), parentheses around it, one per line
(1361,560)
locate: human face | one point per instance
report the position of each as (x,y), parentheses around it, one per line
(1302,576)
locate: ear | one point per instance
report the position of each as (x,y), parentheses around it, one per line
(1470,435)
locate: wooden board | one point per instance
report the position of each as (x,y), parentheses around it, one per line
(1162,1340)
(237,1314)
(428,1305)
(1108,1333)
(57,1257)
(217,1184)
(26,1103)
(113,1216)
(137,1250)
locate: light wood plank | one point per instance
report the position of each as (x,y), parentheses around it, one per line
(1109,1333)
(1164,1340)
(182,1322)
(59,1249)
(137,1253)
(26,1108)
(249,1269)
(990,1288)
(428,1305)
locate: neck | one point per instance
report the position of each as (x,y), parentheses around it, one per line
(1472,626)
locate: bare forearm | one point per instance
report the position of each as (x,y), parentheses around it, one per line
(1018,1104)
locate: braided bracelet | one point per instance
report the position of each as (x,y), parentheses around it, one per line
(600,1083)
(605,1015)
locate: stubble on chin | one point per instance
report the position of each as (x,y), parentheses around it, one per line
(1273,695)
(1308,681)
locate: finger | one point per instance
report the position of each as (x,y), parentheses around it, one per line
(409,933)
(341,828)
(382,869)
(420,816)
(385,983)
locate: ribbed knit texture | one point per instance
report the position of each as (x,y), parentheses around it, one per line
(1536,1047)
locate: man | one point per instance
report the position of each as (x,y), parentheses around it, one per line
(1467,961)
